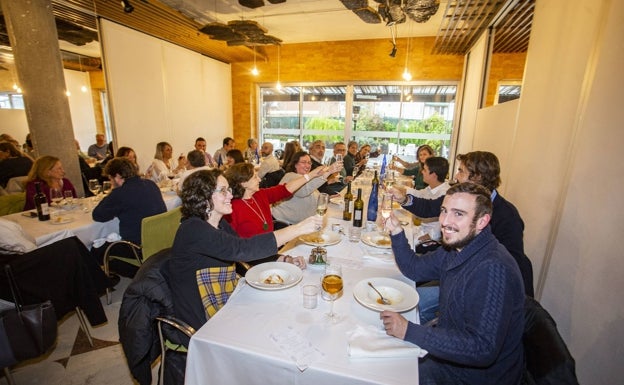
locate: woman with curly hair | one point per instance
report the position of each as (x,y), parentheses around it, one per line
(206,245)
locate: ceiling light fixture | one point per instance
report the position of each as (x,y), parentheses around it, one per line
(254,71)
(407,76)
(278,86)
(127,7)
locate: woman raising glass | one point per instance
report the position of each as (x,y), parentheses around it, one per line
(252,205)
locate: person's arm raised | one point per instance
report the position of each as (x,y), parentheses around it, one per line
(308,225)
(296,183)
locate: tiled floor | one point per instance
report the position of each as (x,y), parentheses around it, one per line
(74,362)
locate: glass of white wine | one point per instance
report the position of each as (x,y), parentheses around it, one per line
(332,286)
(386,208)
(56,196)
(94,187)
(107,186)
(321,205)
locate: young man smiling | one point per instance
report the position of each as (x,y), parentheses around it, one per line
(478,337)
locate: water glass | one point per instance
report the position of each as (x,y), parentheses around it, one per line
(69,196)
(355,233)
(310,296)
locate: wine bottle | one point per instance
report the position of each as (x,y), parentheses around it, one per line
(371,211)
(41,202)
(348,204)
(358,209)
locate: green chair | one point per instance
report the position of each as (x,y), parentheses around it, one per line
(157,233)
(12,203)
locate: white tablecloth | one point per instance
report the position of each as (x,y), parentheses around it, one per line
(82,225)
(235,347)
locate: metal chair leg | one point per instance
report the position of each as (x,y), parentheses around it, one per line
(8,376)
(83,324)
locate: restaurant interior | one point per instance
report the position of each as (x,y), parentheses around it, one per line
(158,70)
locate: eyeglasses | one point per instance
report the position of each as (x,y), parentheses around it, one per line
(224,190)
(304,162)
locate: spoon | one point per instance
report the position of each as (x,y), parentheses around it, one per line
(385,301)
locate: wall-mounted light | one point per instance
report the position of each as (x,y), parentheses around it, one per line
(127,7)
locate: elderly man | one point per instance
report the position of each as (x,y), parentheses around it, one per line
(99,149)
(338,181)
(200,145)
(317,153)
(220,156)
(268,162)
(132,199)
(478,337)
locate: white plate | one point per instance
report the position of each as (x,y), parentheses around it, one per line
(290,274)
(61,220)
(402,296)
(339,201)
(377,239)
(321,239)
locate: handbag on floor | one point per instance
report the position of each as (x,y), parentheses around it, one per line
(29,329)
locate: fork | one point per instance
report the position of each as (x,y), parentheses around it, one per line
(385,301)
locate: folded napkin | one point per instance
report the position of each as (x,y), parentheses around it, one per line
(372,342)
(112,237)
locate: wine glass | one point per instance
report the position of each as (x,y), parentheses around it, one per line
(69,197)
(94,187)
(321,204)
(386,208)
(107,186)
(332,286)
(56,196)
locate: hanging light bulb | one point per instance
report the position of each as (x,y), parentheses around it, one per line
(15,87)
(278,85)
(19,90)
(67,93)
(83,89)
(407,76)
(254,71)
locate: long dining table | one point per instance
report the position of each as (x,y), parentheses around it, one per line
(75,220)
(268,337)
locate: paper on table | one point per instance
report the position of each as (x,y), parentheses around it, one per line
(370,341)
(296,347)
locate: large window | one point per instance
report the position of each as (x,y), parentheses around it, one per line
(11,100)
(394,118)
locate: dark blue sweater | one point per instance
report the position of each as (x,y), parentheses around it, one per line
(136,199)
(481,318)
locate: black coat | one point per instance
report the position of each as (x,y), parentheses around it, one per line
(147,297)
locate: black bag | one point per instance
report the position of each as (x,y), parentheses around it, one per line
(30,329)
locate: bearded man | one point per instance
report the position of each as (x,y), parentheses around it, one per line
(478,336)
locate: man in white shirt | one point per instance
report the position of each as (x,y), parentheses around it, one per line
(268,162)
(434,174)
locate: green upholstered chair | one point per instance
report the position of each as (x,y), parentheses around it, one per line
(12,203)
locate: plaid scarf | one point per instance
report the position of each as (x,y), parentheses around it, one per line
(216,284)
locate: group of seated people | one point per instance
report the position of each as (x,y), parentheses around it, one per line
(481,269)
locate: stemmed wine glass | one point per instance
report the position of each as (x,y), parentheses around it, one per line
(107,186)
(332,286)
(56,196)
(94,187)
(386,208)
(321,205)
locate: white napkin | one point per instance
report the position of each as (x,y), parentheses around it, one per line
(112,237)
(370,341)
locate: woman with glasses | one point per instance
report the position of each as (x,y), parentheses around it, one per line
(303,202)
(252,205)
(206,247)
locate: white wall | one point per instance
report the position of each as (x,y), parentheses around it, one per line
(15,124)
(564,173)
(161,92)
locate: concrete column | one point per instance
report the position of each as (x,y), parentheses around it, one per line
(33,36)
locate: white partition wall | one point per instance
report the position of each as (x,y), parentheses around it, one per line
(162,92)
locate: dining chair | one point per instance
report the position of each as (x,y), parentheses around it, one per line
(547,358)
(157,233)
(167,324)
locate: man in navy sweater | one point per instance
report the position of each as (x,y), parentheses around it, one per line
(478,337)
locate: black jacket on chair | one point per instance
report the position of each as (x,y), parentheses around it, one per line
(63,272)
(147,297)
(548,360)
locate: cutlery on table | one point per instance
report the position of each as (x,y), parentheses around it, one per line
(385,301)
